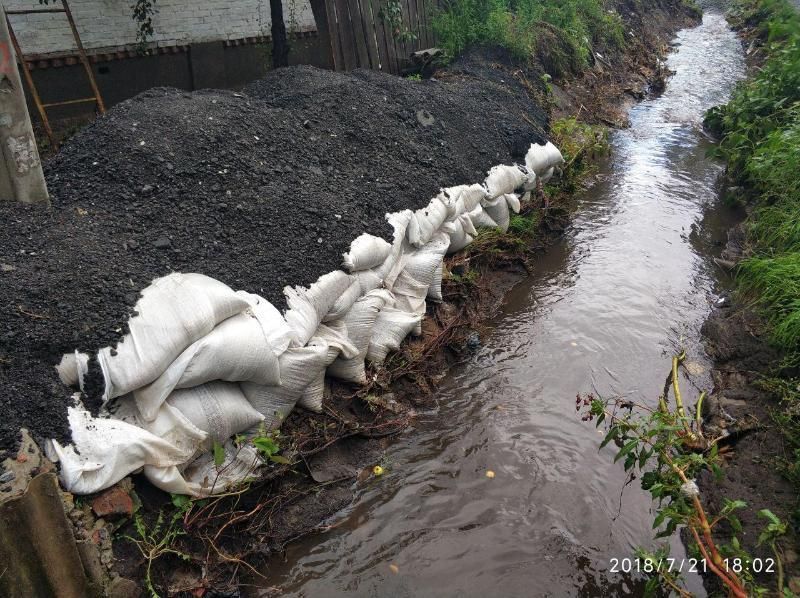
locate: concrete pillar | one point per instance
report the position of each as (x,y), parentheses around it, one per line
(21,177)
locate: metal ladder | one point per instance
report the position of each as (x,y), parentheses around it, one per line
(42,108)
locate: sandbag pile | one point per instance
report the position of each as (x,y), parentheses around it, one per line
(202,363)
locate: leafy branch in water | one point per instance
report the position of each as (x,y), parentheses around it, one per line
(670,450)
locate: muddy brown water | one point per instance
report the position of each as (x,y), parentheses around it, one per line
(630,282)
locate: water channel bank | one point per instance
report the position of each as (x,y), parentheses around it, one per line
(632,280)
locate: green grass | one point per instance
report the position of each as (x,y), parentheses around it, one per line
(565,30)
(760,140)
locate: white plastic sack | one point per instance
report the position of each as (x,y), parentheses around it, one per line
(219,409)
(512,199)
(503,179)
(360,321)
(540,158)
(242,348)
(435,288)
(345,301)
(426,221)
(480,219)
(409,293)
(299,367)
(103,451)
(497,210)
(366,251)
(72,368)
(421,264)
(382,276)
(307,307)
(466,197)
(173,312)
(203,477)
(461,233)
(391,327)
(547,175)
(335,336)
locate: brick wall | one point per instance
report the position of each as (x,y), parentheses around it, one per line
(107,24)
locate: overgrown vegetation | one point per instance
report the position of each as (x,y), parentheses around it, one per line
(667,448)
(760,140)
(567,30)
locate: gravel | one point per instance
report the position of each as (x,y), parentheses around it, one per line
(259,189)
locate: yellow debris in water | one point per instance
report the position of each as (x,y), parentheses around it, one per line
(574,344)
(377,470)
(394,568)
(489,474)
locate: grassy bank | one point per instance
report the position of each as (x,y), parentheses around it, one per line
(565,32)
(760,139)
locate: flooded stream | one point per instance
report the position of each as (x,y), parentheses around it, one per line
(630,282)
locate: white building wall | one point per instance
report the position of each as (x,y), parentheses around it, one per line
(107,24)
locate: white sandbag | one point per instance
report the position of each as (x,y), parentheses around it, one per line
(366,251)
(219,409)
(307,307)
(345,301)
(480,219)
(503,179)
(426,221)
(242,348)
(435,288)
(203,477)
(421,264)
(547,175)
(497,210)
(103,451)
(512,199)
(530,180)
(540,158)
(72,368)
(391,327)
(360,321)
(466,197)
(173,312)
(299,367)
(457,232)
(335,336)
(409,293)
(382,276)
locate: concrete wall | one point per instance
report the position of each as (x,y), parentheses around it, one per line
(107,24)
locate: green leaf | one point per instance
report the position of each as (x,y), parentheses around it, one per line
(266,445)
(280,459)
(219,454)
(180,500)
(627,448)
(612,434)
(767,514)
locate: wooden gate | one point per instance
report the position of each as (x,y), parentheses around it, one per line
(376,34)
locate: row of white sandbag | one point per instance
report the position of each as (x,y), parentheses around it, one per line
(193,332)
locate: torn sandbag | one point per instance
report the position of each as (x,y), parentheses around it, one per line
(72,368)
(219,409)
(308,306)
(366,251)
(480,219)
(204,477)
(503,179)
(335,336)
(299,367)
(497,210)
(172,313)
(105,450)
(360,321)
(426,221)
(391,327)
(242,348)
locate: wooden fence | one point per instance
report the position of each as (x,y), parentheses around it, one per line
(376,34)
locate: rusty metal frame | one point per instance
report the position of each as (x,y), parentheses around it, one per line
(37,100)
